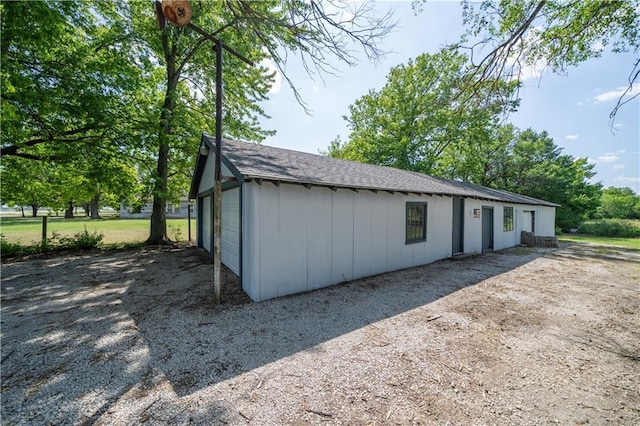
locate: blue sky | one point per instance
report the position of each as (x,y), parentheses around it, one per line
(573,108)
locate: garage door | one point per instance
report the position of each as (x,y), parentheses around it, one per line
(231,229)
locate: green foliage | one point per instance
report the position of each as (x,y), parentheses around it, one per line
(418,121)
(83,240)
(617,228)
(66,81)
(10,249)
(620,203)
(176,232)
(530,163)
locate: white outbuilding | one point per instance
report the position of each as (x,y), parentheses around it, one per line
(294,221)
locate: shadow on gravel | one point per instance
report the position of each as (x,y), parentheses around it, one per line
(81,333)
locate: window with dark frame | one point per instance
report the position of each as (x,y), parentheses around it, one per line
(416,222)
(508,219)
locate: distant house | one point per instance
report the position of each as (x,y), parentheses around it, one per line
(172,210)
(293,221)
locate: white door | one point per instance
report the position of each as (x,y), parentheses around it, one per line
(527,221)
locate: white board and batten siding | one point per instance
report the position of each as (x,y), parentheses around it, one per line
(206,224)
(230,223)
(303,239)
(544,223)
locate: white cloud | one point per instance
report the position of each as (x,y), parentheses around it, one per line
(615,94)
(608,158)
(627,179)
(525,72)
(572,137)
(618,125)
(533,71)
(580,103)
(618,166)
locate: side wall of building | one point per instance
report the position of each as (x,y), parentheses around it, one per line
(230,238)
(301,239)
(544,218)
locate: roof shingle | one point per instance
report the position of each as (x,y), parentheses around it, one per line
(254,161)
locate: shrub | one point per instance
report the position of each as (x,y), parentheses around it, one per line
(617,228)
(82,240)
(176,231)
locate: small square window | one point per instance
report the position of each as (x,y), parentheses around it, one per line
(508,219)
(416,222)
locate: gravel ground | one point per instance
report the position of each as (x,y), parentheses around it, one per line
(522,336)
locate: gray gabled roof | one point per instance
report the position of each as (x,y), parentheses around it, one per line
(253,161)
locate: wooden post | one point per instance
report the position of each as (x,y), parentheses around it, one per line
(44,230)
(189,220)
(217,191)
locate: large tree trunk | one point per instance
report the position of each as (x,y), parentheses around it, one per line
(158,231)
(158,228)
(95,207)
(34,210)
(68,213)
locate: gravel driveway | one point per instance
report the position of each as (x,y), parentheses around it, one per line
(525,336)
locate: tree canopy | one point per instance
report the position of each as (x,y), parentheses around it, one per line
(619,203)
(98,83)
(414,122)
(66,81)
(506,37)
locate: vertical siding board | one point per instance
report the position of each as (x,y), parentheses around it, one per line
(230,235)
(251,238)
(396,238)
(292,239)
(207,221)
(362,234)
(269,212)
(443,224)
(378,233)
(342,232)
(319,238)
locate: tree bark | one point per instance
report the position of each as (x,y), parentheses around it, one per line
(87,209)
(22,210)
(34,210)
(95,207)
(158,231)
(158,227)
(68,213)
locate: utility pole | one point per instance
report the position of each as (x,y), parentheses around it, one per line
(178,12)
(217,190)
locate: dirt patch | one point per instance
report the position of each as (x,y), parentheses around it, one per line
(523,336)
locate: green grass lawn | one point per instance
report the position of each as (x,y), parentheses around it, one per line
(116,231)
(632,243)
